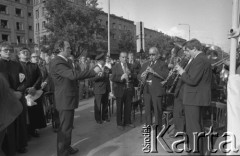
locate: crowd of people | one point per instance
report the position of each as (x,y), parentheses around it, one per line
(65,81)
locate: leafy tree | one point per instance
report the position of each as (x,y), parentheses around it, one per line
(163,42)
(78,25)
(127,42)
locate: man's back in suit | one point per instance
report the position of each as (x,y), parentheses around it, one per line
(65,82)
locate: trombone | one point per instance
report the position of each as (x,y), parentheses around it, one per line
(220,62)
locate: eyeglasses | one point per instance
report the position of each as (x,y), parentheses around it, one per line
(7,50)
(34,56)
(152,54)
(24,52)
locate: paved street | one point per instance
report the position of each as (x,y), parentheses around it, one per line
(87,135)
(93,139)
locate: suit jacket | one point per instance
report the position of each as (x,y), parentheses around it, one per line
(33,75)
(197,82)
(156,88)
(101,84)
(65,83)
(10,106)
(119,85)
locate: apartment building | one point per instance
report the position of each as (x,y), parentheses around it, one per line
(16,22)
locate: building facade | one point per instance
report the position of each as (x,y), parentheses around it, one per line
(16,22)
(117,26)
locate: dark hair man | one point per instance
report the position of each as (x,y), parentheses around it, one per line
(66,95)
(101,89)
(197,89)
(136,67)
(32,84)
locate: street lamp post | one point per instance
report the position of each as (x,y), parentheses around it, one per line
(189,29)
(109,49)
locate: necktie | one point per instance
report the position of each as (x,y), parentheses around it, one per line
(125,67)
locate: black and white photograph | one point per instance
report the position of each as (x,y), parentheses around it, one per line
(119,77)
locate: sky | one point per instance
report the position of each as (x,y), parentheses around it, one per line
(209,20)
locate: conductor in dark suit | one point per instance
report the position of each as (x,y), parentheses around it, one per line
(66,94)
(101,90)
(122,75)
(197,89)
(155,71)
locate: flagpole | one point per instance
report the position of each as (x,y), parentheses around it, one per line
(108,28)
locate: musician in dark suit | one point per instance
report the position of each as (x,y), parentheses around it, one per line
(154,72)
(66,95)
(101,90)
(197,89)
(178,110)
(136,66)
(122,74)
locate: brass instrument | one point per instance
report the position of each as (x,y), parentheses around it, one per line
(172,71)
(220,62)
(174,84)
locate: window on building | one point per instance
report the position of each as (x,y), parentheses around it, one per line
(37,27)
(4,24)
(120,26)
(43,11)
(28,1)
(114,36)
(18,12)
(18,39)
(43,24)
(106,23)
(29,27)
(113,25)
(29,14)
(100,21)
(37,14)
(124,27)
(17,1)
(4,37)
(19,26)
(3,9)
(71,0)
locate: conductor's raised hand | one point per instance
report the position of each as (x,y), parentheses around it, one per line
(97,70)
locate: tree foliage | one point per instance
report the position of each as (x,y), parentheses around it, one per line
(77,24)
(163,42)
(127,42)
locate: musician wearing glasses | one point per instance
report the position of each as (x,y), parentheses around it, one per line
(151,75)
(178,110)
(197,79)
